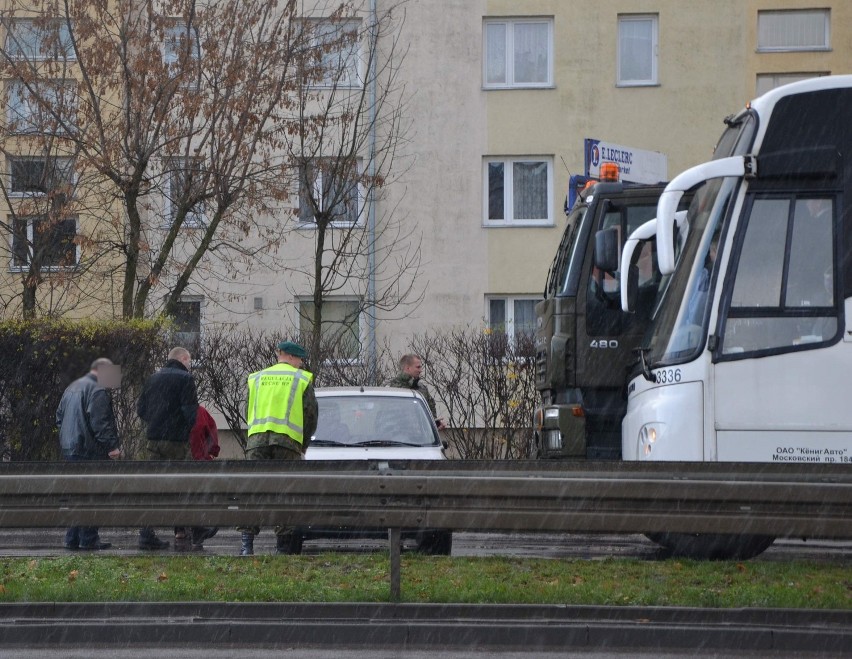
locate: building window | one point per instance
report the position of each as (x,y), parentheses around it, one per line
(341,326)
(335,53)
(514,316)
(767,81)
(38,176)
(186,189)
(638,45)
(43,242)
(329,191)
(180,42)
(518,53)
(518,191)
(27,39)
(187,319)
(44,106)
(800,29)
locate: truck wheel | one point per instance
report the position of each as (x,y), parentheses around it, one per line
(435,543)
(712,546)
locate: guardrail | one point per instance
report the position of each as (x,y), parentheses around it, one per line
(605,497)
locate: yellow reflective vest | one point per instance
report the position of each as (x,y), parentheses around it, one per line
(275,401)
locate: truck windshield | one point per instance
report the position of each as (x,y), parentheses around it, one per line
(565,271)
(679,325)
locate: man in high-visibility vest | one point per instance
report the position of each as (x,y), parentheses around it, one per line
(282,416)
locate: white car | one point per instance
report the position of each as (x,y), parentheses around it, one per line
(376,423)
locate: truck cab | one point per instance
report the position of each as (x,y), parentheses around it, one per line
(584,342)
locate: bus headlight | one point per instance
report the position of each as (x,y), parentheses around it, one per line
(649,434)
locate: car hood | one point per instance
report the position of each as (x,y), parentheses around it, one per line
(374,453)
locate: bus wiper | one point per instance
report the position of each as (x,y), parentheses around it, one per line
(646,370)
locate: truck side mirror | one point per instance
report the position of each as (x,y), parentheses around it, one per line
(606,250)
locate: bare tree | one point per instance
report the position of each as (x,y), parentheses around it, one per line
(182,110)
(349,148)
(486,382)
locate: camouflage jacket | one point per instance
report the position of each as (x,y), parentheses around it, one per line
(405,381)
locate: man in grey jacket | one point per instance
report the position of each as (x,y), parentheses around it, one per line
(87,431)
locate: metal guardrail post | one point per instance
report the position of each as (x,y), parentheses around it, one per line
(395,540)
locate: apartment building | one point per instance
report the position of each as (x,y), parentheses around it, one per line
(499,98)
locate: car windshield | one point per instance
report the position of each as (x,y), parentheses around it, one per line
(373,421)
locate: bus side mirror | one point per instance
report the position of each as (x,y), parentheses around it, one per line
(606,250)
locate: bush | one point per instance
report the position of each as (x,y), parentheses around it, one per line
(484,382)
(38,359)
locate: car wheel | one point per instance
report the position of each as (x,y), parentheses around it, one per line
(712,546)
(435,543)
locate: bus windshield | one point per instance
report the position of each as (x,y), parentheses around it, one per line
(679,325)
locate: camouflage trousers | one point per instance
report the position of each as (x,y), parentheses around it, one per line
(270,452)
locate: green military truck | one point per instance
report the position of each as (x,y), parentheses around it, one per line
(584,341)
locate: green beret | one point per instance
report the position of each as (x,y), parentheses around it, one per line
(292,349)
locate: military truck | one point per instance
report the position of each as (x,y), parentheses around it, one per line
(584,342)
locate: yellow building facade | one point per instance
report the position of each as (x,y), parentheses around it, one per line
(500,96)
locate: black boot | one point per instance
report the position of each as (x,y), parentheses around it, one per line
(247,547)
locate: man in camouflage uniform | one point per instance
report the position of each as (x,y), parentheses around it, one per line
(410,369)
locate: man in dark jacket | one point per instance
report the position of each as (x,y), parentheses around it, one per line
(87,431)
(168,406)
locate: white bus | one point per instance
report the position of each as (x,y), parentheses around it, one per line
(748,357)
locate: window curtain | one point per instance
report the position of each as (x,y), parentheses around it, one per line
(636,38)
(530,190)
(530,52)
(495,57)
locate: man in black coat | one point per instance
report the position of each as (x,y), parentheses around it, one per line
(87,431)
(168,406)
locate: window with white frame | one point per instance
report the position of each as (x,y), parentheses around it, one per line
(186,188)
(182,53)
(340,326)
(329,188)
(187,322)
(518,52)
(30,39)
(41,106)
(515,316)
(638,45)
(32,175)
(44,241)
(335,52)
(798,29)
(518,191)
(767,81)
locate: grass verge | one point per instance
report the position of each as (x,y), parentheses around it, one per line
(364,578)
